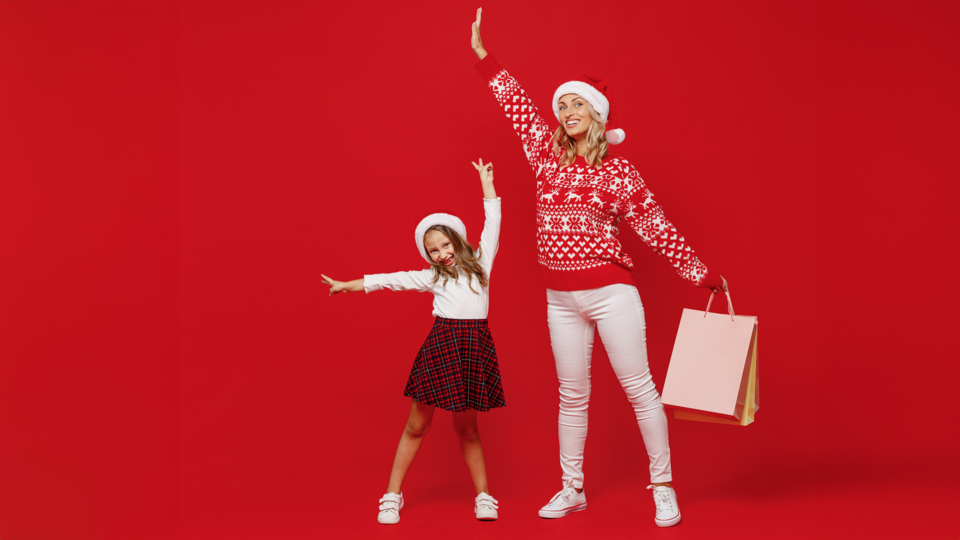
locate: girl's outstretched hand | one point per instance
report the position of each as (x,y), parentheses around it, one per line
(335,286)
(475,41)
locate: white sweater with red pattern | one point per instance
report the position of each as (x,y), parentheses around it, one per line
(580,208)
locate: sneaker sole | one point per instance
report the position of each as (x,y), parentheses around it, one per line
(554,514)
(668,522)
(487,518)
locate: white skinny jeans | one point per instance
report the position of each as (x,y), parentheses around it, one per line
(616,310)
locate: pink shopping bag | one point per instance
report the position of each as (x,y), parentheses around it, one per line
(712,375)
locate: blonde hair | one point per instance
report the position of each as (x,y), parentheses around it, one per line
(468,260)
(596,139)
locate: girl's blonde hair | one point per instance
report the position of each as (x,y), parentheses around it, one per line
(596,139)
(468,260)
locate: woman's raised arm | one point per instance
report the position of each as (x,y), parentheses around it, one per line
(475,42)
(515,104)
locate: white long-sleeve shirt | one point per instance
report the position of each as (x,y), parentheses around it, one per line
(456,300)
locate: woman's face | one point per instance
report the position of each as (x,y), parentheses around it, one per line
(574,115)
(439,247)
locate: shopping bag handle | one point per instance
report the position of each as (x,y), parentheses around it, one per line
(729,304)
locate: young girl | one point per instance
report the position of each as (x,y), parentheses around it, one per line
(456,368)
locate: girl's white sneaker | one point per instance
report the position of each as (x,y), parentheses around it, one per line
(668,511)
(485,507)
(390,506)
(564,502)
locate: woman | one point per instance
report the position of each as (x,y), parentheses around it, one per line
(583,195)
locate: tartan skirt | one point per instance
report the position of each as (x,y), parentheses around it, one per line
(456,368)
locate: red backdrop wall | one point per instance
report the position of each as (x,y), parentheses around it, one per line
(175,176)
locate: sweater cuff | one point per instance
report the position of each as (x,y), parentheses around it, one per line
(488,67)
(711,281)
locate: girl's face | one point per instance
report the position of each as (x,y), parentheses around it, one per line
(439,247)
(574,115)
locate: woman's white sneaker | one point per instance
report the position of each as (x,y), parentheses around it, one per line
(564,502)
(390,506)
(668,511)
(485,507)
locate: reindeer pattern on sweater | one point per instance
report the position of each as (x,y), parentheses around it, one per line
(579,208)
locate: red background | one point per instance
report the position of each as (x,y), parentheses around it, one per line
(175,176)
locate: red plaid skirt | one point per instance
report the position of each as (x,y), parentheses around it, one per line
(456,368)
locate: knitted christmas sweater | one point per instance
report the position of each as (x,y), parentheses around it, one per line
(580,208)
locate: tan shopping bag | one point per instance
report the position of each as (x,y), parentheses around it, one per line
(712,375)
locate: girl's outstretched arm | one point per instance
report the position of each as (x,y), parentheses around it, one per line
(343,286)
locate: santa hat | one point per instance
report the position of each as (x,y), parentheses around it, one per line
(438,219)
(596,90)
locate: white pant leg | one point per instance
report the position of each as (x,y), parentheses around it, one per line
(620,320)
(571,337)
(572,317)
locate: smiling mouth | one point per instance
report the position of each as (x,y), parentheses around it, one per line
(571,123)
(448,261)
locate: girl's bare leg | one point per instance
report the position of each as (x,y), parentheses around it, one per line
(417,426)
(465,426)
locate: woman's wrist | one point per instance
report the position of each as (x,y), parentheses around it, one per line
(481,53)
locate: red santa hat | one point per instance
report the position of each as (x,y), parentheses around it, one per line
(596,90)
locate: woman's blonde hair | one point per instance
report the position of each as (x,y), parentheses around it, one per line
(468,260)
(596,139)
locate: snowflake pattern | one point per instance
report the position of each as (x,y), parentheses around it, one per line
(577,232)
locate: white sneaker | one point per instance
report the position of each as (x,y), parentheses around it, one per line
(390,506)
(485,508)
(564,502)
(668,511)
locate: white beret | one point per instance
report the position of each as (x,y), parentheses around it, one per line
(438,219)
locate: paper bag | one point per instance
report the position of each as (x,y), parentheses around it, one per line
(712,375)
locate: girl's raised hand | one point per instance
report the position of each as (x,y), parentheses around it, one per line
(335,286)
(486,179)
(486,172)
(475,41)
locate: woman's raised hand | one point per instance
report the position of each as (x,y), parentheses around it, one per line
(475,41)
(335,286)
(486,171)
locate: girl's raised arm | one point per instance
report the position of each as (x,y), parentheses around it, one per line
(490,238)
(486,179)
